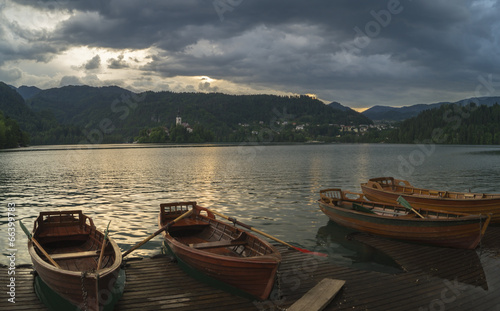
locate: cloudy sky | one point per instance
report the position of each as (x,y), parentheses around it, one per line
(359,53)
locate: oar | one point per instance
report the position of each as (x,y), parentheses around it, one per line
(407,205)
(104,240)
(157,232)
(32,239)
(233,220)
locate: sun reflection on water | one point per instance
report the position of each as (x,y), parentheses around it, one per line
(273,188)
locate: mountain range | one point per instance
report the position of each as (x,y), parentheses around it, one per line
(386,113)
(112,114)
(375,113)
(72,114)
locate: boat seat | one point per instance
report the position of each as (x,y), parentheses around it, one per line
(360,208)
(86,254)
(389,213)
(190,223)
(217,244)
(62,231)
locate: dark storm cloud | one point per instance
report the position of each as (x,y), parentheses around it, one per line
(117,63)
(28,43)
(331,48)
(94,63)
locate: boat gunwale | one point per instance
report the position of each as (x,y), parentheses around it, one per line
(471,218)
(372,182)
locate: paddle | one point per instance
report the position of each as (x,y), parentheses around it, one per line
(104,240)
(32,239)
(407,205)
(233,220)
(157,232)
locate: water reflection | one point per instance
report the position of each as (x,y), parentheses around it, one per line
(342,249)
(272,188)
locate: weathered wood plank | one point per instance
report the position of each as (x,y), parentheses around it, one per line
(431,274)
(94,253)
(216,244)
(319,296)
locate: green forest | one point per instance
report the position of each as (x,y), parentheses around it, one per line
(452,124)
(11,135)
(76,114)
(94,115)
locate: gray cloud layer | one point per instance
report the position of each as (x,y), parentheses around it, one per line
(360,53)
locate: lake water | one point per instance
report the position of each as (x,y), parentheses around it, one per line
(271,187)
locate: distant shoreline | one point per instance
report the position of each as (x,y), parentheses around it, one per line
(197,145)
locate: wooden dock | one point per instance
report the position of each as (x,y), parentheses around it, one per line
(433,279)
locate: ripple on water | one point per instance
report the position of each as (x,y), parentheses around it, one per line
(273,188)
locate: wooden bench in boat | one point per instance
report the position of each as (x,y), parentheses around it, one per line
(74,255)
(216,244)
(63,232)
(377,210)
(241,239)
(190,223)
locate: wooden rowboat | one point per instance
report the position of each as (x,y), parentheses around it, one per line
(447,229)
(220,250)
(71,240)
(388,189)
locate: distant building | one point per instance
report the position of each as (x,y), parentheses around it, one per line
(187,127)
(178,119)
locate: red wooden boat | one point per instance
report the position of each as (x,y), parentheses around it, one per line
(447,229)
(72,241)
(220,250)
(388,189)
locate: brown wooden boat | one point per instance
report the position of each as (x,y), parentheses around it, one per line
(71,240)
(447,229)
(388,189)
(220,250)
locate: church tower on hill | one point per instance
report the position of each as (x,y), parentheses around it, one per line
(178,119)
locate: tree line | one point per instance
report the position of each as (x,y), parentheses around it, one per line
(11,135)
(75,114)
(452,124)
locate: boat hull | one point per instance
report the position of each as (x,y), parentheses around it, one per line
(254,275)
(465,232)
(485,204)
(67,280)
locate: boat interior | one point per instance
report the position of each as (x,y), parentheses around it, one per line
(202,232)
(71,239)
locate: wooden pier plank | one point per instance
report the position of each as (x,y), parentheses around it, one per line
(467,280)
(319,296)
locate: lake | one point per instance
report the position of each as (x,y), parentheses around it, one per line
(271,187)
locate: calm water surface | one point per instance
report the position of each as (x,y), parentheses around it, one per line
(273,188)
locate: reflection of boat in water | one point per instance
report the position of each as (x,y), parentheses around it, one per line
(450,264)
(369,252)
(345,250)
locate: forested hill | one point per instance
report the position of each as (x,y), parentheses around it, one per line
(75,114)
(84,104)
(452,124)
(12,108)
